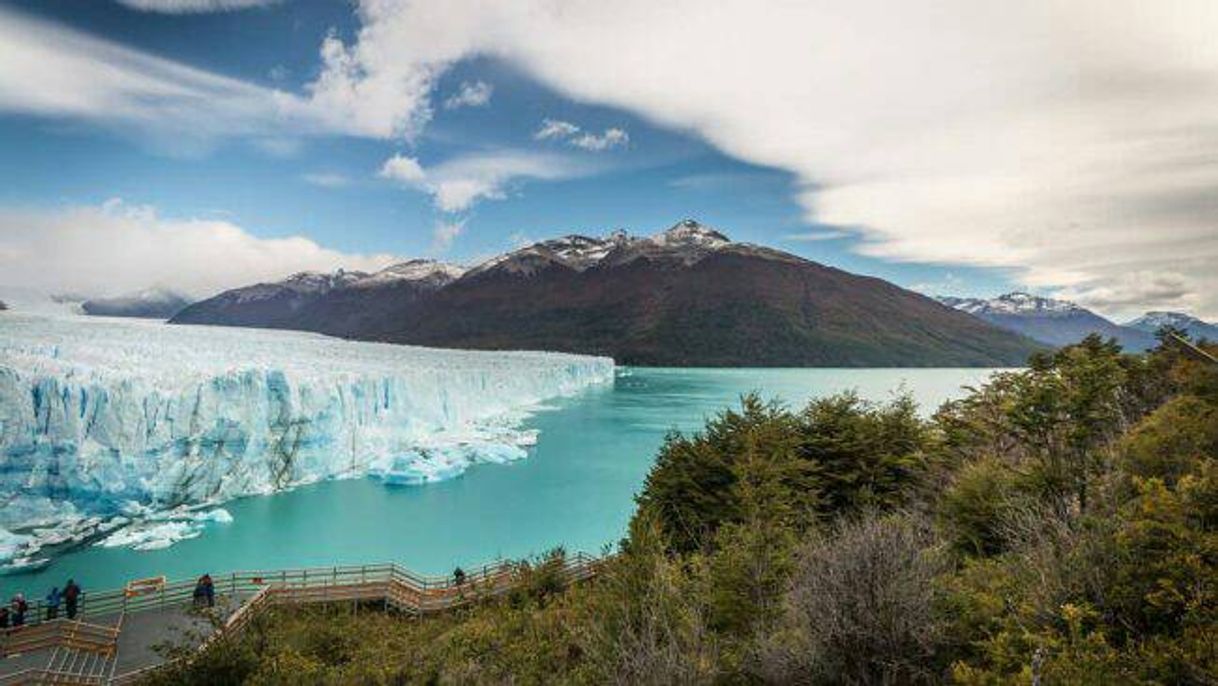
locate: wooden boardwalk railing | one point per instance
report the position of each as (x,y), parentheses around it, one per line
(67,633)
(389,584)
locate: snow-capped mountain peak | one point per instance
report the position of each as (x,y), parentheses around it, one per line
(690,233)
(580,252)
(1048,320)
(1158,319)
(417,270)
(322,281)
(687,241)
(1017,303)
(1151,322)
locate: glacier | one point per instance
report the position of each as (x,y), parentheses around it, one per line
(109,424)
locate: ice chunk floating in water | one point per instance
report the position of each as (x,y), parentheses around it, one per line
(98,417)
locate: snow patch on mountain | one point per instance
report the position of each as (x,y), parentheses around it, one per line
(1017,303)
(423,271)
(689,233)
(1151,322)
(685,242)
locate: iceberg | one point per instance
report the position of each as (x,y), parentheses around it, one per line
(104,423)
(163,530)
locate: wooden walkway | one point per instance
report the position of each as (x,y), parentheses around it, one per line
(113,639)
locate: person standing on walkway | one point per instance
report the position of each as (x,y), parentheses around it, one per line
(200,592)
(209,590)
(20,607)
(53,599)
(4,617)
(71,597)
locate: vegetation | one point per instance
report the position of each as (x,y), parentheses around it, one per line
(1058,525)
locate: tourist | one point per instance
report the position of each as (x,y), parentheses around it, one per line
(200,593)
(459,576)
(20,607)
(71,597)
(3,617)
(53,599)
(209,590)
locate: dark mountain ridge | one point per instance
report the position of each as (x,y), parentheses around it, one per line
(688,296)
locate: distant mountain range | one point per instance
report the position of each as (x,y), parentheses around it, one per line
(1195,328)
(154,303)
(1060,322)
(687,296)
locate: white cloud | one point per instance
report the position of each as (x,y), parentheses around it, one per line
(813,236)
(50,70)
(458,183)
(327,179)
(403,169)
(559,130)
(1167,288)
(950,284)
(1071,141)
(611,138)
(46,69)
(444,233)
(116,248)
(194,6)
(555,129)
(476,94)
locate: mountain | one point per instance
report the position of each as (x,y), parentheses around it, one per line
(344,301)
(154,303)
(1055,322)
(688,296)
(267,305)
(1196,329)
(3,307)
(30,300)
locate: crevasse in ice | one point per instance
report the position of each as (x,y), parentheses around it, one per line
(103,418)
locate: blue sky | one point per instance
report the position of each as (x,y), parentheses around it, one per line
(274,138)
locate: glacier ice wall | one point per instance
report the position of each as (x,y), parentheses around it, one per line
(98,415)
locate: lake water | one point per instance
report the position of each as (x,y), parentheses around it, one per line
(575,489)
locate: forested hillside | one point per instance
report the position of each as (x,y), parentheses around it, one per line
(1060,524)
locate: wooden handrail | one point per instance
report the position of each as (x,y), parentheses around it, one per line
(119,601)
(43,675)
(389,583)
(59,632)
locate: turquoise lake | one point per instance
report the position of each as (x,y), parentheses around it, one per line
(575,489)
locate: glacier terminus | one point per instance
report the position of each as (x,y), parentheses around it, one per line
(131,432)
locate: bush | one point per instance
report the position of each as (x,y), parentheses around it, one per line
(840,455)
(980,498)
(860,608)
(1172,440)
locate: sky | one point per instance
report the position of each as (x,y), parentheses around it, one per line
(964,147)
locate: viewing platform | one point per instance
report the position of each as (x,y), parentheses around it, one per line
(114,638)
